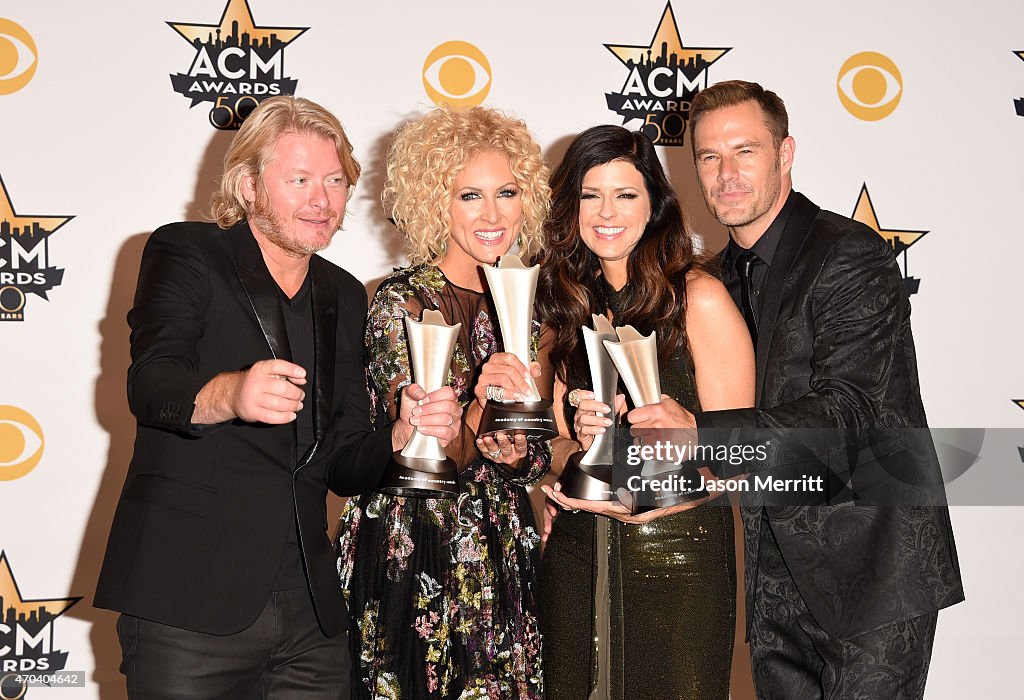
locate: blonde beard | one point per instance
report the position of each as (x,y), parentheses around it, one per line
(267,221)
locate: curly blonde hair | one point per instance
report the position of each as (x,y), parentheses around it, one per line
(254,143)
(426,156)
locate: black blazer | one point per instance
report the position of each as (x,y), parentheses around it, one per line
(835,351)
(200,528)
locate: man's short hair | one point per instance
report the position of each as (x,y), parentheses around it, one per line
(253,144)
(734,92)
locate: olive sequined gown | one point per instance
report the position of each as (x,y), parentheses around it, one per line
(635,612)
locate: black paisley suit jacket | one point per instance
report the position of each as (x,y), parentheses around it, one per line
(200,528)
(835,352)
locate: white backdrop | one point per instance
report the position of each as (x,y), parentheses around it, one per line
(99,134)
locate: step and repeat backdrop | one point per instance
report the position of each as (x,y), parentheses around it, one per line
(114,119)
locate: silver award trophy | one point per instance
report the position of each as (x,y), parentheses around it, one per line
(589,475)
(513,286)
(661,484)
(422,469)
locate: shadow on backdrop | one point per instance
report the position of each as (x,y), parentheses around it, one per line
(113,415)
(111,406)
(678,163)
(379,227)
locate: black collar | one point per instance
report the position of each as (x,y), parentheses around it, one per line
(265,299)
(765,246)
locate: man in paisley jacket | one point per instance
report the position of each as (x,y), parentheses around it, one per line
(841,597)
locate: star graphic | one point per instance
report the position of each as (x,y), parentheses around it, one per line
(899,239)
(667,33)
(1019,402)
(235,11)
(1020,55)
(24,222)
(10,594)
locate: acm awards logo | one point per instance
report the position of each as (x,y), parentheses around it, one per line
(21,444)
(663,78)
(237,64)
(457,74)
(25,266)
(27,638)
(899,239)
(869,85)
(18,57)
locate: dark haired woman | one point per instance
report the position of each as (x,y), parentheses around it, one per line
(651,596)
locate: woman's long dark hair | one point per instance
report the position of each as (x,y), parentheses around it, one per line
(570,288)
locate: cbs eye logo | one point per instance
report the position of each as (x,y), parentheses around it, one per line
(18,57)
(21,443)
(870,86)
(458,74)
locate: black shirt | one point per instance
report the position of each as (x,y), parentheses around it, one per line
(298,321)
(764,248)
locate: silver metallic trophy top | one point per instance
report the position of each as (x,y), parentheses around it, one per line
(605,379)
(513,287)
(431,343)
(636,358)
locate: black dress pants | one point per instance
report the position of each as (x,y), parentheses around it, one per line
(792,658)
(284,654)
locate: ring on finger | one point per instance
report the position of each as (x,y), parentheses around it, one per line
(451,420)
(574,398)
(495,392)
(495,454)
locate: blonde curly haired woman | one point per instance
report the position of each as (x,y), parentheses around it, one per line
(443,591)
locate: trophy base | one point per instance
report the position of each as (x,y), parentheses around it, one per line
(536,419)
(416,477)
(590,482)
(677,491)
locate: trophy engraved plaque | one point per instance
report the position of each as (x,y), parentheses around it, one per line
(636,358)
(513,287)
(422,469)
(589,475)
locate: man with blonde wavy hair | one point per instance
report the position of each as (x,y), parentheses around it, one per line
(248,387)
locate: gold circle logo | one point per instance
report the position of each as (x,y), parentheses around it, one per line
(12,299)
(18,57)
(21,443)
(457,74)
(12,683)
(870,86)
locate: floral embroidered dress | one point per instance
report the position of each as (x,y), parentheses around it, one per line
(443,592)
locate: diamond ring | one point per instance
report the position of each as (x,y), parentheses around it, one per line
(574,398)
